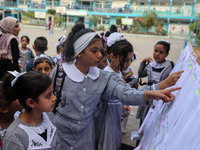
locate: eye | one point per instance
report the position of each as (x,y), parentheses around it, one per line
(156,50)
(161,52)
(46,69)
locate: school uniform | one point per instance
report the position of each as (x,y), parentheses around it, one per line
(79,97)
(156,72)
(23,136)
(108,127)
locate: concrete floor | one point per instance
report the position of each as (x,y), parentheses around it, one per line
(143,47)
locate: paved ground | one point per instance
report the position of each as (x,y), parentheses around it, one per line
(143,47)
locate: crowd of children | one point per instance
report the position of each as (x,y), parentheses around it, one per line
(92,94)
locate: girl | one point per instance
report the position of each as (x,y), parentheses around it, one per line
(9,50)
(26,53)
(42,63)
(83,87)
(157,70)
(8,106)
(33,128)
(104,62)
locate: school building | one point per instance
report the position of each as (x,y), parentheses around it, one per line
(177,14)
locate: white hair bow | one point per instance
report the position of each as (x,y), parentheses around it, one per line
(115,37)
(17,75)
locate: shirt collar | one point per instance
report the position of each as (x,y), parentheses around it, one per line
(74,74)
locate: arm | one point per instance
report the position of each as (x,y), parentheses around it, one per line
(15,54)
(142,71)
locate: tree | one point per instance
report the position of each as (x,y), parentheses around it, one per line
(94,20)
(119,20)
(51,11)
(149,20)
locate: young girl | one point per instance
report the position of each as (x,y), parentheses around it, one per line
(83,87)
(43,63)
(8,106)
(104,62)
(26,53)
(157,70)
(33,128)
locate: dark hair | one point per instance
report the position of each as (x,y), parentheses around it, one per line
(107,34)
(58,48)
(30,85)
(40,44)
(165,44)
(7,95)
(41,60)
(121,48)
(113,28)
(26,37)
(103,52)
(77,31)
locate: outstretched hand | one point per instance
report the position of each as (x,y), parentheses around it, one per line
(164,95)
(147,60)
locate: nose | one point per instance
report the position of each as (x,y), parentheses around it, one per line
(53,97)
(99,55)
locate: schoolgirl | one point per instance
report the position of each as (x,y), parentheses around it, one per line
(156,70)
(33,128)
(26,53)
(43,63)
(83,87)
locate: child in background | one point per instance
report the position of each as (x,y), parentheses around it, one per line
(33,128)
(40,46)
(43,64)
(157,70)
(59,50)
(8,106)
(83,87)
(26,53)
(104,62)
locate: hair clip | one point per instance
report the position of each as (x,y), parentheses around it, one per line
(115,37)
(166,41)
(17,75)
(42,56)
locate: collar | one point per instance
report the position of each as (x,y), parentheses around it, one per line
(74,74)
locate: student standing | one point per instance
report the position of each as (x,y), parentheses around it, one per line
(33,128)
(83,87)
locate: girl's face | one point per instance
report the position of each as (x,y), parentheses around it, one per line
(46,101)
(159,53)
(43,67)
(91,55)
(24,42)
(115,62)
(103,63)
(16,29)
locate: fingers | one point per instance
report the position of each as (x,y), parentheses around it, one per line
(173,89)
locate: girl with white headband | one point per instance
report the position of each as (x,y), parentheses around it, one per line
(83,87)
(32,129)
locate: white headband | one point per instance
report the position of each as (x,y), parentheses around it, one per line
(42,56)
(17,75)
(166,41)
(114,37)
(82,42)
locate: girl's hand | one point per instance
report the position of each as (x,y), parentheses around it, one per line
(164,95)
(20,65)
(170,80)
(147,60)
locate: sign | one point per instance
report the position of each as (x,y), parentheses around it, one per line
(40,14)
(61,10)
(77,12)
(127,21)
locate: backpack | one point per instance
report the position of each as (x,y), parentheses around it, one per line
(58,84)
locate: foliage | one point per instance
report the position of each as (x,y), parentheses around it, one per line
(94,20)
(118,20)
(149,20)
(102,27)
(29,14)
(51,11)
(137,23)
(57,19)
(193,26)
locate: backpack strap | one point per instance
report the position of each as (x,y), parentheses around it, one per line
(172,64)
(58,84)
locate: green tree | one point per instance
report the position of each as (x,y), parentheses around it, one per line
(29,14)
(51,11)
(94,20)
(119,20)
(149,20)
(57,19)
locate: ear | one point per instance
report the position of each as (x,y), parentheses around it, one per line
(30,103)
(4,111)
(33,46)
(112,57)
(46,48)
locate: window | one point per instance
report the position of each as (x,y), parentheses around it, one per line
(71,18)
(105,20)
